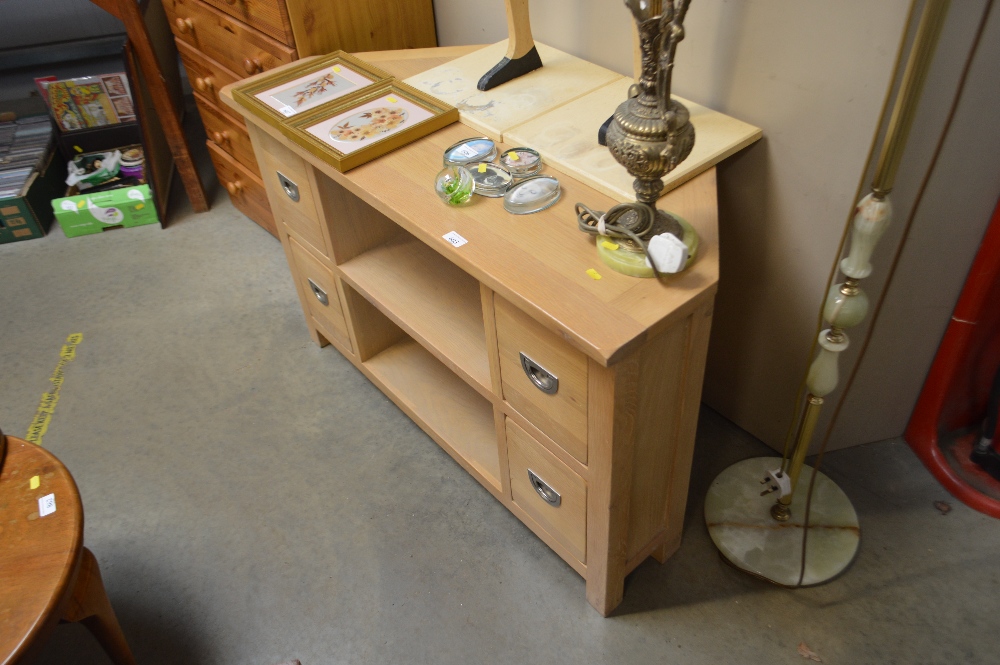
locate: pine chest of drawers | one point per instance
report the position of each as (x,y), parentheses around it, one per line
(223,41)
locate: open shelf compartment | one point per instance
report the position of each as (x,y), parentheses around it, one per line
(446,407)
(434,301)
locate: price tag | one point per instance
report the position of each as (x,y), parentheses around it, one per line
(464,151)
(514,157)
(336,68)
(593,274)
(34,482)
(46,505)
(454,239)
(391,100)
(286,111)
(482,167)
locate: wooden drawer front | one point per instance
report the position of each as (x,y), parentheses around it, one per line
(245,189)
(268,16)
(562,414)
(207,77)
(286,175)
(533,466)
(222,38)
(228,134)
(317,282)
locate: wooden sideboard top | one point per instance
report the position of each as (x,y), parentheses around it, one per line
(538,261)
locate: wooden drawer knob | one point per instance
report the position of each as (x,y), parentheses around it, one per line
(204,84)
(220,137)
(234,188)
(252,66)
(184,25)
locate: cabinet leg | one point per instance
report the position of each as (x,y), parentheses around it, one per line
(317,337)
(90,606)
(605,593)
(667,548)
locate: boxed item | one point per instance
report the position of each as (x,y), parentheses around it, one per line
(89,101)
(102,211)
(29,178)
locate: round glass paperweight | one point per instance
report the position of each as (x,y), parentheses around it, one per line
(491,180)
(521,162)
(454,184)
(470,151)
(532,195)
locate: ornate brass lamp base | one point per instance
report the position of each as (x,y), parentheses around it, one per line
(742,526)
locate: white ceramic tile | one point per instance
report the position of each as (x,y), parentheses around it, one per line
(561,79)
(567,139)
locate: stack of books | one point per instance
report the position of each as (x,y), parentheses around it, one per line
(24,146)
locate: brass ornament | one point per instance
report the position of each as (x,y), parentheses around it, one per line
(650,133)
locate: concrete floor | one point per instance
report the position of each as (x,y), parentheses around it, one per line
(252,498)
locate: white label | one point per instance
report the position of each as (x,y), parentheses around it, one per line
(464,151)
(46,505)
(454,239)
(287,111)
(668,252)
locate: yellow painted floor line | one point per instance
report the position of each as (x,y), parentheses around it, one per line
(47,406)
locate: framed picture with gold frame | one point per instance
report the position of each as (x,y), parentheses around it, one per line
(307,86)
(369,125)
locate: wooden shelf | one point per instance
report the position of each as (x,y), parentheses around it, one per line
(445,407)
(434,301)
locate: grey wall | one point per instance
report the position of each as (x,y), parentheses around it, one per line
(31,22)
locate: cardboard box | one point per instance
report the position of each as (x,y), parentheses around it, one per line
(102,211)
(30,215)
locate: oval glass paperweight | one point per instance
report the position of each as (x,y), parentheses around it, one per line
(491,180)
(532,195)
(470,151)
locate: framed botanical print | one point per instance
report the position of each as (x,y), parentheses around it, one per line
(367,126)
(312,84)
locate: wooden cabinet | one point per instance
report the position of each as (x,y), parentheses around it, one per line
(573,401)
(223,41)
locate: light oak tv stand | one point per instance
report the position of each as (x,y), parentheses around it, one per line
(573,401)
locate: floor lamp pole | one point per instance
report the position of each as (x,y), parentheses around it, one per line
(734,517)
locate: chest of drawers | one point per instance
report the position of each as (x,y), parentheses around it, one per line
(223,41)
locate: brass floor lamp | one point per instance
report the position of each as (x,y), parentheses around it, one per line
(759,513)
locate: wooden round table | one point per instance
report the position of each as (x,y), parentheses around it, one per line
(48,575)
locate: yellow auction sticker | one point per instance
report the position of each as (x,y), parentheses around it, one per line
(47,405)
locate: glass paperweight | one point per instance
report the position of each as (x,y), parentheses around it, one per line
(491,180)
(532,195)
(454,184)
(470,151)
(521,162)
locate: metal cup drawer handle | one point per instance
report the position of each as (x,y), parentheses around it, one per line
(318,292)
(543,379)
(291,189)
(549,495)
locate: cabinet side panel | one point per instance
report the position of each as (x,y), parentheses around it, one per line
(661,368)
(354,226)
(322,26)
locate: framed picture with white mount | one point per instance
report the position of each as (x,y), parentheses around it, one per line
(367,126)
(307,86)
